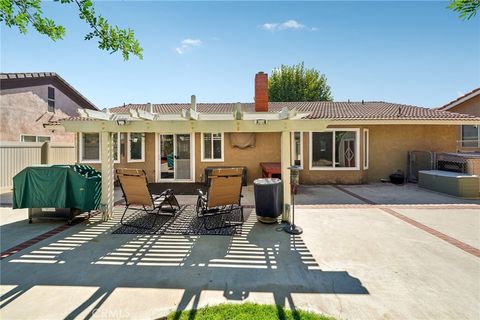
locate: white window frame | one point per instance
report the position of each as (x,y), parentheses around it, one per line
(202,148)
(462,141)
(36,137)
(293,147)
(333,168)
(99,148)
(366,148)
(129,159)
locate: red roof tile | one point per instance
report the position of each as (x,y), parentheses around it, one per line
(370,110)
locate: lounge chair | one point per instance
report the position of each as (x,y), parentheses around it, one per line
(135,190)
(223,196)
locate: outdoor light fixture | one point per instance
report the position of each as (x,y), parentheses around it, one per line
(294,182)
(122,122)
(261,121)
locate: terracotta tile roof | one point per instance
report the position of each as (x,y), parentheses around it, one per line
(466,96)
(24,79)
(369,110)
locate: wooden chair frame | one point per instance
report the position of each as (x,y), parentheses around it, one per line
(134,185)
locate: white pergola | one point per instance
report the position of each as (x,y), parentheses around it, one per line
(189,121)
(192,121)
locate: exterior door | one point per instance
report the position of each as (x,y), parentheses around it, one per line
(175,157)
(183,168)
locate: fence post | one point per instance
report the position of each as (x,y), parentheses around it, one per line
(45,153)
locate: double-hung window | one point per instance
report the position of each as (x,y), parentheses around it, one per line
(51,99)
(90,146)
(336,149)
(136,147)
(471,136)
(212,146)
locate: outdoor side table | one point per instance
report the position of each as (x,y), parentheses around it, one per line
(268,199)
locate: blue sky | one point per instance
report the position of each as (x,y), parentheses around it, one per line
(407,52)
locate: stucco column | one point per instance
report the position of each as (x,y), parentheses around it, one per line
(106,158)
(285,159)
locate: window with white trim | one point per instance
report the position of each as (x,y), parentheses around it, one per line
(470,136)
(90,147)
(136,147)
(32,138)
(297,148)
(366,146)
(212,147)
(335,149)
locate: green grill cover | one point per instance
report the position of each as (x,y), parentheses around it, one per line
(57,186)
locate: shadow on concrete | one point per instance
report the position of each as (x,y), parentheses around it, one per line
(261,259)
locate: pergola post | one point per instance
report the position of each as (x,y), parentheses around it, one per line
(106,159)
(285,163)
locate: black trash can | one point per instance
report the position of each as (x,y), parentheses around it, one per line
(268,199)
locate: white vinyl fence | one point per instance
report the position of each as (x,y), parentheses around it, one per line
(15,156)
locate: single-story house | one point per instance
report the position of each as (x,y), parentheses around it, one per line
(468,136)
(334,142)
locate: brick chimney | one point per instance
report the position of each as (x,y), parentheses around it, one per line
(261,92)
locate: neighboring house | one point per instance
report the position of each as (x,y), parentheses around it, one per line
(29,100)
(468,136)
(335,142)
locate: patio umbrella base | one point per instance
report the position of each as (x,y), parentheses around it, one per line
(293,229)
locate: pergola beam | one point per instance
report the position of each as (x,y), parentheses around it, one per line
(94,114)
(191,126)
(141,114)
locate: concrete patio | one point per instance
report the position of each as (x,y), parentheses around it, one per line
(363,255)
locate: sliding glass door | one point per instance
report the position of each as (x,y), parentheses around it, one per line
(175,157)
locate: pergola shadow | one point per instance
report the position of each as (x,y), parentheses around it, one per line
(261,259)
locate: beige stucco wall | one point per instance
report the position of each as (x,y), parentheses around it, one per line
(389,145)
(267,149)
(25,110)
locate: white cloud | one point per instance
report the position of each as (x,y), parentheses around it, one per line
(291,24)
(187,45)
(287,25)
(270,26)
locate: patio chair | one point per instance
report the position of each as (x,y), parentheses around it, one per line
(134,185)
(223,197)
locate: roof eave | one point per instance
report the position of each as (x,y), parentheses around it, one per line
(460,100)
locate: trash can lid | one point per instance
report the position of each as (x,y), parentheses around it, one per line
(267,181)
